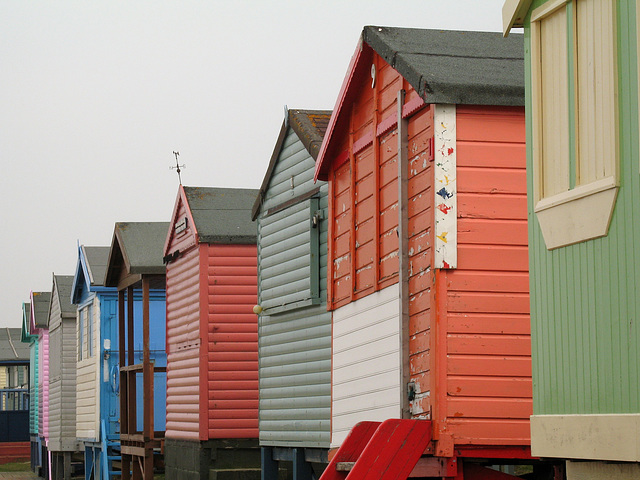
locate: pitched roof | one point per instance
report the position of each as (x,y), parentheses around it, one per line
(62,288)
(452,67)
(40,308)
(310,127)
(26,323)
(11,347)
(222,215)
(91,269)
(96,259)
(443,66)
(513,13)
(136,247)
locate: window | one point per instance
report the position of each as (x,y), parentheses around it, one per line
(90,331)
(574,109)
(85,332)
(81,321)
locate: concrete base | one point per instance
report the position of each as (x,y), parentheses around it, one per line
(227,459)
(602,471)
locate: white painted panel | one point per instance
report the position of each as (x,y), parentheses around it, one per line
(446,190)
(366,362)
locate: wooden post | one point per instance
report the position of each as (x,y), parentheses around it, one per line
(403,254)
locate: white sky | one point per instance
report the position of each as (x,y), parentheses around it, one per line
(96,95)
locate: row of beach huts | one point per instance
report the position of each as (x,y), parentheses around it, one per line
(390,303)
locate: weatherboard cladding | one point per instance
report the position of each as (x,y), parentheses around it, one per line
(183,333)
(33,387)
(211,330)
(294,336)
(40,319)
(62,372)
(468,326)
(584,301)
(95,399)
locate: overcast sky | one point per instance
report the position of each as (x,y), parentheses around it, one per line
(96,95)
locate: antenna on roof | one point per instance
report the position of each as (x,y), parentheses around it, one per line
(177,167)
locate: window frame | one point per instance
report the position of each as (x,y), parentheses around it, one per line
(582,212)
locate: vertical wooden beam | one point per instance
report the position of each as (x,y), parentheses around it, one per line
(445,187)
(403,253)
(124,418)
(269,470)
(376,175)
(147,393)
(130,322)
(131,376)
(352,207)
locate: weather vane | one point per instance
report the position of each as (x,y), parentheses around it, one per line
(177,167)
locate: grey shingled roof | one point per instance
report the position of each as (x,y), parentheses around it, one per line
(222,215)
(310,127)
(96,258)
(477,68)
(64,284)
(136,247)
(11,347)
(40,306)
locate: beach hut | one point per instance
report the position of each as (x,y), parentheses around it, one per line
(32,340)
(62,441)
(97,413)
(136,270)
(583,201)
(39,325)
(427,271)
(294,326)
(14,397)
(212,338)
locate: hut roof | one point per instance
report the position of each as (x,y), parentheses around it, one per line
(137,248)
(40,309)
(443,66)
(310,127)
(12,350)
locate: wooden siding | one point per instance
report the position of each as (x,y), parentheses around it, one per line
(229,368)
(366,362)
(87,383)
(43,384)
(62,381)
(584,302)
(294,344)
(33,387)
(469,327)
(364,193)
(484,303)
(62,386)
(183,340)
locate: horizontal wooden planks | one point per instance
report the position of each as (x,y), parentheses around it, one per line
(488,344)
(231,405)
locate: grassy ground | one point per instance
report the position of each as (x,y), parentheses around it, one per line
(16,467)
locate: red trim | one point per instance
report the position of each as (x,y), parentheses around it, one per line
(362,142)
(412,106)
(181,198)
(521,453)
(322,163)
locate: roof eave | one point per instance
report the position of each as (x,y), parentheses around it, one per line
(272,162)
(513,13)
(322,162)
(229,239)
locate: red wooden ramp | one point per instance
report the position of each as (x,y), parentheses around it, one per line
(380,451)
